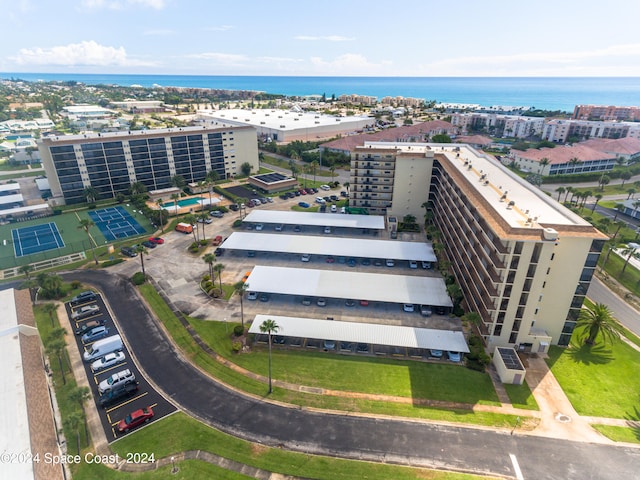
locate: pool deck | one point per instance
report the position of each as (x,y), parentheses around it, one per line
(203,202)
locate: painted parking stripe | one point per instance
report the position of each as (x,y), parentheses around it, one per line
(516,467)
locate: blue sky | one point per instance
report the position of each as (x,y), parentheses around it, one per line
(361,38)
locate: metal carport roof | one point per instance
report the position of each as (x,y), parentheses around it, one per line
(370,333)
(330,245)
(373,222)
(350,285)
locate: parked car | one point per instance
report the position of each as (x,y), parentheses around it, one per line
(115,394)
(119,378)
(330,259)
(426,265)
(321,302)
(349,303)
(413,264)
(234,207)
(252,296)
(219,252)
(320,200)
(86,326)
(259,227)
(329,345)
(94,334)
(134,419)
(216,214)
(303,204)
(454,356)
(148,244)
(343,193)
(327,229)
(352,262)
(325,187)
(85,311)
(306,301)
(279,227)
(108,361)
(83,297)
(334,198)
(157,240)
(366,262)
(305,257)
(425,310)
(364,303)
(264,297)
(128,252)
(334,209)
(436,353)
(297,228)
(389,262)
(408,307)
(217,240)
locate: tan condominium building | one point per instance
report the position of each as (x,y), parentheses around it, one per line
(111,162)
(524,262)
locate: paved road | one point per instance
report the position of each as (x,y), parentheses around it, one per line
(377,439)
(627,315)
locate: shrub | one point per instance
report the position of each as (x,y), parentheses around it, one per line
(206,278)
(76,284)
(204,243)
(138,278)
(237,223)
(236,346)
(208,285)
(110,263)
(238,330)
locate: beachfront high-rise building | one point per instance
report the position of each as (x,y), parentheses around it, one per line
(111,162)
(524,262)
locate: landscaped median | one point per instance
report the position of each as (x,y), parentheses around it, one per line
(433,391)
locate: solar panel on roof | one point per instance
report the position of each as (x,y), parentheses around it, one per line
(510,359)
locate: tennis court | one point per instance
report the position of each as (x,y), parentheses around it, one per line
(115,223)
(37,238)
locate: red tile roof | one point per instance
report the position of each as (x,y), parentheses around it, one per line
(563,154)
(622,146)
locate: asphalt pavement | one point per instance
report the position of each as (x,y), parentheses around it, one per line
(366,437)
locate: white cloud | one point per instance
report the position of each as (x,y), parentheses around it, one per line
(349,64)
(227,59)
(84,53)
(610,60)
(328,38)
(121,4)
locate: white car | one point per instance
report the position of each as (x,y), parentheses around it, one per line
(390,263)
(121,378)
(325,187)
(327,229)
(252,296)
(413,264)
(320,200)
(305,257)
(85,311)
(259,227)
(408,307)
(109,360)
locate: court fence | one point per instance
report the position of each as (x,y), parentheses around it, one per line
(8,259)
(44,265)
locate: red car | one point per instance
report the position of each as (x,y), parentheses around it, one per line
(144,415)
(364,303)
(156,240)
(330,260)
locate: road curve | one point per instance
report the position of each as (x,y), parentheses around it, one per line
(369,438)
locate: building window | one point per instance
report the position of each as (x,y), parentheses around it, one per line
(513,337)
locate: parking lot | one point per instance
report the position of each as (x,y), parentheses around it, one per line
(141,397)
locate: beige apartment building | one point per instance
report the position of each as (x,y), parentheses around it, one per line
(524,262)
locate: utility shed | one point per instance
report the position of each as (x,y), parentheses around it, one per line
(509,366)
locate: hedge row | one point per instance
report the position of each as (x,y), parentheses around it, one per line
(591,176)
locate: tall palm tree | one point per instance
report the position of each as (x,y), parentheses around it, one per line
(568,190)
(269,327)
(204,215)
(86,224)
(175,197)
(598,321)
(218,268)
(209,259)
(618,208)
(26,270)
(81,395)
(560,191)
(159,202)
(544,161)
(141,250)
(629,253)
(50,309)
(193,220)
(314,168)
(241,287)
(90,194)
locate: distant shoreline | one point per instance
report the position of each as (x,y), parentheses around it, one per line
(547,93)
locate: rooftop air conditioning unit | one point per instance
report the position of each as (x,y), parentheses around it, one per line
(550,234)
(511,204)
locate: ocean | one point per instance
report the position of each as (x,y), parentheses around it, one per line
(548,93)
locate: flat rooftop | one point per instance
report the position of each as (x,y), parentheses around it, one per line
(283,119)
(15,198)
(498,186)
(369,333)
(376,287)
(372,222)
(331,245)
(14,435)
(10,187)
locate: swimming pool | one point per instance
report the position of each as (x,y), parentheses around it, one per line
(183,203)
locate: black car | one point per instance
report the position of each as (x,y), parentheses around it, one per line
(117,393)
(128,252)
(219,252)
(234,207)
(83,297)
(148,244)
(334,198)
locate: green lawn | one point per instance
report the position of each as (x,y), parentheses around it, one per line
(373,375)
(178,433)
(619,434)
(600,381)
(521,396)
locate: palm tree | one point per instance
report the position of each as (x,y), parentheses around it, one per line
(629,253)
(159,203)
(241,287)
(72,422)
(573,162)
(26,270)
(269,327)
(314,168)
(604,180)
(218,268)
(567,190)
(332,170)
(50,284)
(619,208)
(137,188)
(50,309)
(625,176)
(57,347)
(635,206)
(81,395)
(193,220)
(86,224)
(178,181)
(175,197)
(560,191)
(141,250)
(90,194)
(630,192)
(203,216)
(544,161)
(209,259)
(598,321)
(619,226)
